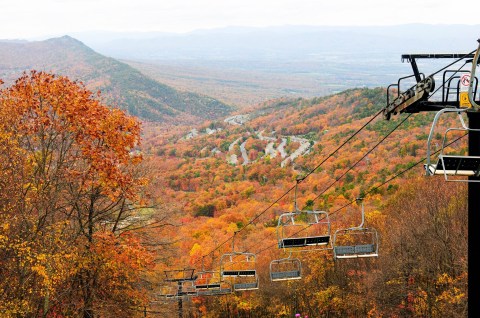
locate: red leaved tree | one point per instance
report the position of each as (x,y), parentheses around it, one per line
(70,181)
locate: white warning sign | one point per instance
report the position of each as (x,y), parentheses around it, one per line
(464,84)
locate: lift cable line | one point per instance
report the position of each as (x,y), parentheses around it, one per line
(299,180)
(419,103)
(412,101)
(373,189)
(386,112)
(431,87)
(314,169)
(376,187)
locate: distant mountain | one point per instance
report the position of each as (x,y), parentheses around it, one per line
(285,42)
(120,84)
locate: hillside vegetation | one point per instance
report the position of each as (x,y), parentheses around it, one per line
(94,211)
(221,196)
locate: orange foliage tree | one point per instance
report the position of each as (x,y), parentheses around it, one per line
(69,185)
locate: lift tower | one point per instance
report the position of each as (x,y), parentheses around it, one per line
(457,93)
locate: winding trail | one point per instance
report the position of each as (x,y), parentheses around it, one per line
(281,148)
(233,159)
(304,147)
(270,150)
(244,154)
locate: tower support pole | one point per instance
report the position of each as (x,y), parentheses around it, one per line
(473,220)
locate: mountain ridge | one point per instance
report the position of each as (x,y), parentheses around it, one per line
(119,83)
(294,41)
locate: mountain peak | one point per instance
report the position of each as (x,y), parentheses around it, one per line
(68,41)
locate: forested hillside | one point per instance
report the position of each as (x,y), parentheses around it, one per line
(121,85)
(235,178)
(95,206)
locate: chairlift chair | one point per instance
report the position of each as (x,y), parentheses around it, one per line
(239,268)
(452,166)
(303,230)
(210,283)
(214,289)
(285,269)
(355,242)
(455,165)
(178,283)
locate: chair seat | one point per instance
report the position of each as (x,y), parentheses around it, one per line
(234,273)
(455,165)
(245,286)
(285,275)
(304,241)
(354,251)
(207,286)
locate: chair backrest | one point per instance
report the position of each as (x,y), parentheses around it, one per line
(285,269)
(454,167)
(304,230)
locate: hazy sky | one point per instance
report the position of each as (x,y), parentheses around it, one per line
(41,18)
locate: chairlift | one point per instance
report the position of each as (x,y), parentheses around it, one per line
(355,242)
(285,269)
(304,230)
(452,166)
(239,269)
(178,284)
(209,283)
(207,280)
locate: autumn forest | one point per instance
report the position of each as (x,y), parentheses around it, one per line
(103,199)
